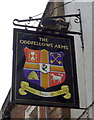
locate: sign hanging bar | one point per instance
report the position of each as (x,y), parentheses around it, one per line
(55,17)
(77,20)
(17,22)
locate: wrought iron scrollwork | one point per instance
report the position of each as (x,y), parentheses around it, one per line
(54,20)
(77,19)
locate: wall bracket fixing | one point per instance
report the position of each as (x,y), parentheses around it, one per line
(53,19)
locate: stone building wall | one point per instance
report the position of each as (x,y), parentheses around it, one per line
(18,112)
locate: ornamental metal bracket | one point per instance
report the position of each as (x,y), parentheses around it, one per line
(47,23)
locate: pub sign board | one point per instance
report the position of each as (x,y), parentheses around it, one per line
(44,69)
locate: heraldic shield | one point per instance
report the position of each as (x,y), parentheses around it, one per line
(44,68)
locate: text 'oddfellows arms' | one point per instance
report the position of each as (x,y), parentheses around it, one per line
(45,69)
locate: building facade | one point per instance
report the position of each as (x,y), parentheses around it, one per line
(84,58)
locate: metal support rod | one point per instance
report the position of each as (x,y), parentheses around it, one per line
(46,29)
(55,17)
(77,20)
(81,31)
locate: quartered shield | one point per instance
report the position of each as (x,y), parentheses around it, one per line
(44,68)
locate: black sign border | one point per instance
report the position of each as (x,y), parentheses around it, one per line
(43,103)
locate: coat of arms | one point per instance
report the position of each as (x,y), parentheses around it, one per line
(44,68)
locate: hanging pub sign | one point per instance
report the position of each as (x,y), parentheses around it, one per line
(44,69)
